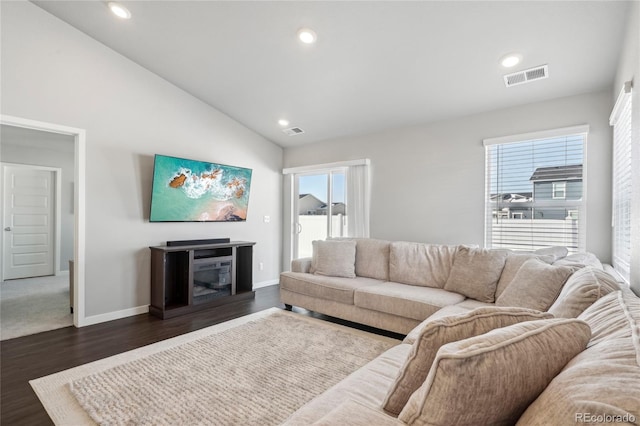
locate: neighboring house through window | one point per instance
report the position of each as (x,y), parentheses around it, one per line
(556,183)
(534,190)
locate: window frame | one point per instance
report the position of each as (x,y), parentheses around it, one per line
(581,204)
(554,185)
(621,200)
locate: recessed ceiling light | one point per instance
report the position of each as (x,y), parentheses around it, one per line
(283,122)
(119,10)
(307,35)
(510,60)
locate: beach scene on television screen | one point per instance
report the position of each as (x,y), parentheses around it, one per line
(188,190)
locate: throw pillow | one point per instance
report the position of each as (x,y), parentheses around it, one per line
(581,290)
(334,258)
(445,330)
(491,379)
(580,260)
(475,273)
(604,379)
(536,285)
(372,258)
(558,252)
(513,264)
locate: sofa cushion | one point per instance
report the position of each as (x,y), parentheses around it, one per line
(443,330)
(372,258)
(334,258)
(420,264)
(536,285)
(337,289)
(580,260)
(475,272)
(404,300)
(473,304)
(352,413)
(581,290)
(602,380)
(491,379)
(512,266)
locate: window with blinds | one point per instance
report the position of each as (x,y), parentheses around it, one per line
(621,215)
(534,190)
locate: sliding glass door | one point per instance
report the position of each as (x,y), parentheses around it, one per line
(319,208)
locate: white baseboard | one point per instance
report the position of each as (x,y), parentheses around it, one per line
(110,316)
(265,283)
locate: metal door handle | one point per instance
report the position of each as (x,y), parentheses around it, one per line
(8,228)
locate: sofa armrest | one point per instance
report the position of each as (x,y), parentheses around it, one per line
(301,265)
(615,274)
(352,413)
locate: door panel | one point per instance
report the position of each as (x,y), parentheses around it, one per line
(28,206)
(319,209)
(309,224)
(338,213)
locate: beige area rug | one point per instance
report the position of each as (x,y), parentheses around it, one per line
(255,370)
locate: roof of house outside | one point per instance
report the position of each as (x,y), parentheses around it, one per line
(325,205)
(557,173)
(300,196)
(510,197)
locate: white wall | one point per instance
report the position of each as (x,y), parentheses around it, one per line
(24,146)
(629,69)
(54,73)
(428,181)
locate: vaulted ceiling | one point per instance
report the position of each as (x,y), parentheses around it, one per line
(375,66)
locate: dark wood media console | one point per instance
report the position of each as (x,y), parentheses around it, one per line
(187,278)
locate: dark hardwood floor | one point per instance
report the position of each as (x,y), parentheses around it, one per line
(26,358)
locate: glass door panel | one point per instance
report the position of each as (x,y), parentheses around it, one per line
(319,209)
(310,220)
(338,211)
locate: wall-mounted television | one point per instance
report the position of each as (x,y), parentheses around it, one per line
(197,191)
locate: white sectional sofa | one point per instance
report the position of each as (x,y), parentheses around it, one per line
(476,362)
(396,285)
(600,384)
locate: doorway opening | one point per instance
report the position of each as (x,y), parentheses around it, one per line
(33,245)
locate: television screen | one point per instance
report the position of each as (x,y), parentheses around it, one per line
(196,191)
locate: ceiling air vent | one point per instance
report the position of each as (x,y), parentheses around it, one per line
(526,76)
(292,131)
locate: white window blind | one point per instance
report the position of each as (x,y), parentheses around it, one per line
(621,215)
(534,190)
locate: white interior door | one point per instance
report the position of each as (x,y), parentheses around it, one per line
(28,221)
